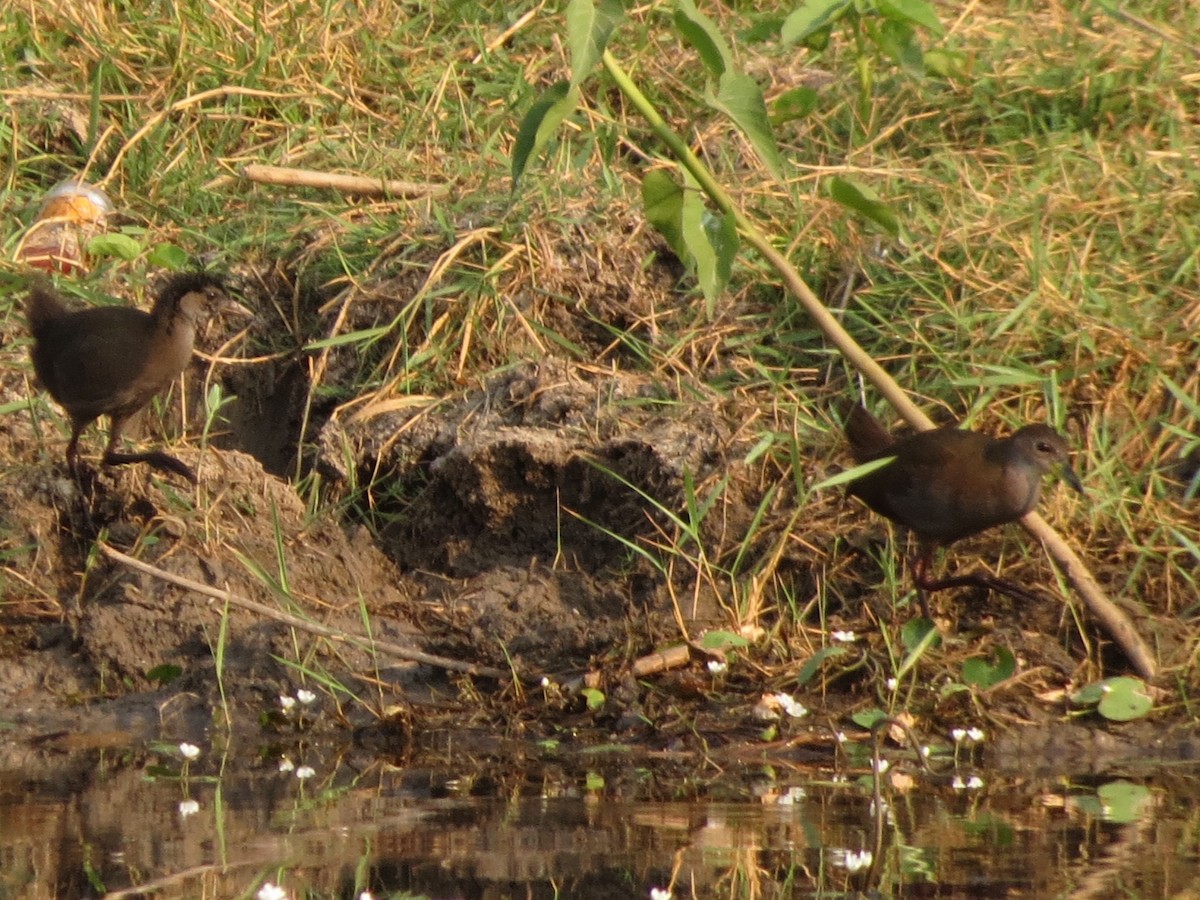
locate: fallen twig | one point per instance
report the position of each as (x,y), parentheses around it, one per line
(347,184)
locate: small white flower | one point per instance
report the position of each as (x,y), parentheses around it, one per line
(791,705)
(976,734)
(927,751)
(286,703)
(188,808)
(365,895)
(660,894)
(974,782)
(880,766)
(958,784)
(844,637)
(959,734)
(286,765)
(271,891)
(716,666)
(892,684)
(305,772)
(840,737)
(305,697)
(545,681)
(188,751)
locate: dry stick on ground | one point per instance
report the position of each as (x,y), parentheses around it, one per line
(361,185)
(365,643)
(1118,625)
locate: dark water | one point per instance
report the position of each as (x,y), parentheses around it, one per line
(612,826)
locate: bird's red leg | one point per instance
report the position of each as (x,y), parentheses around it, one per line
(162,461)
(975,579)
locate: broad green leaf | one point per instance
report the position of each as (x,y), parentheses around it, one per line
(700,31)
(740,98)
(167,256)
(115,244)
(916,12)
(1088,695)
(662,201)
(721,231)
(164,674)
(589,26)
(918,635)
(1123,801)
(810,668)
(985,673)
(594,698)
(811,17)
(898,41)
(700,251)
(722,640)
(865,202)
(947,63)
(1124,699)
(868,718)
(543,118)
(711,242)
(794,104)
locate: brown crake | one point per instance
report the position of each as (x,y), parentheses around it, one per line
(949,483)
(111,361)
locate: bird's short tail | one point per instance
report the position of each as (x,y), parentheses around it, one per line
(868,438)
(43,305)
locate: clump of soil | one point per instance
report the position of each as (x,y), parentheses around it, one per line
(523,509)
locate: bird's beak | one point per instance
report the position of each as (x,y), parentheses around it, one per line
(1068,475)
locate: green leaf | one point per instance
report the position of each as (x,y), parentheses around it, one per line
(1123,801)
(167,256)
(810,668)
(164,674)
(589,27)
(543,118)
(985,673)
(115,244)
(915,12)
(701,32)
(594,698)
(722,640)
(794,104)
(721,231)
(711,242)
(740,98)
(868,718)
(865,202)
(898,41)
(593,781)
(918,635)
(811,17)
(947,63)
(1088,695)
(1125,699)
(662,201)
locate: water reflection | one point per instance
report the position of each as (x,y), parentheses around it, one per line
(95,825)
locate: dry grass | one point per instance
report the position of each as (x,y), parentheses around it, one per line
(1048,272)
